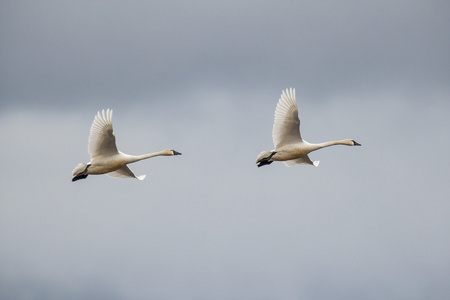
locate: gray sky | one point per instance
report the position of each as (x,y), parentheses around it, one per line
(370,222)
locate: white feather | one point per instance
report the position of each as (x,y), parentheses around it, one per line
(289,145)
(105,157)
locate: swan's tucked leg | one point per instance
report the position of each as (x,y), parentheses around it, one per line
(266,160)
(81,175)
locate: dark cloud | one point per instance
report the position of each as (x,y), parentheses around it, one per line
(58,53)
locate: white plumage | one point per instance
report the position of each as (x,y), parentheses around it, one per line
(289,145)
(105,157)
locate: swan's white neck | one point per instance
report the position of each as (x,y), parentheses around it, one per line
(135,158)
(328,144)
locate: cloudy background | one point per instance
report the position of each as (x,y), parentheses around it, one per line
(203,78)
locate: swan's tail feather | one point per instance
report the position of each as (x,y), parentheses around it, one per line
(262,155)
(142,177)
(316,163)
(81,167)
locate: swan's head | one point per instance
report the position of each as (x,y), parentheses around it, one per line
(80,171)
(169,152)
(354,143)
(174,152)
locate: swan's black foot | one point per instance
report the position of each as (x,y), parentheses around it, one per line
(79,176)
(265,161)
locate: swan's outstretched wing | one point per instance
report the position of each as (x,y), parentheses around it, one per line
(302,160)
(124,172)
(286,127)
(102,141)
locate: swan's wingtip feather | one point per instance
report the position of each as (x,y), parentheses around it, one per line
(316,163)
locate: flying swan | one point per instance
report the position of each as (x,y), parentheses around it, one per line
(105,158)
(289,145)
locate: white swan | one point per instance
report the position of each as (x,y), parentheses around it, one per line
(289,145)
(105,158)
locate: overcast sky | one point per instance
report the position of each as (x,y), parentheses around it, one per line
(203,78)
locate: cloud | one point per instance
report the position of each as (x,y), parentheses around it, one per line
(62,54)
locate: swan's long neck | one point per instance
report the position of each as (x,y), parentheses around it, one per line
(135,158)
(328,144)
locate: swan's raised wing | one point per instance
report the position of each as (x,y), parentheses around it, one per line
(124,172)
(102,141)
(286,127)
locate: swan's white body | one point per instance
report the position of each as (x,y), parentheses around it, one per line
(105,158)
(289,145)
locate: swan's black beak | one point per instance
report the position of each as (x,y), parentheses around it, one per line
(176,153)
(356,143)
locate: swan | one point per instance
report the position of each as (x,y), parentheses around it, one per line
(105,158)
(289,145)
